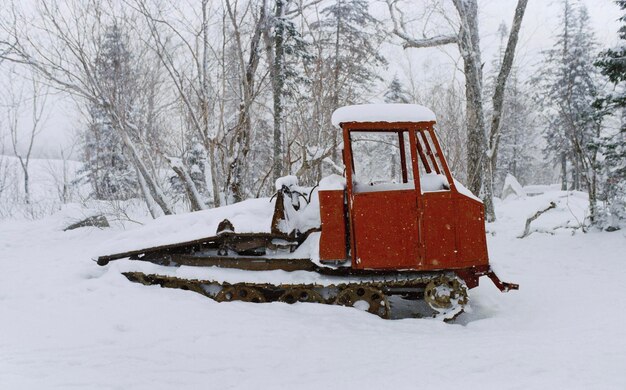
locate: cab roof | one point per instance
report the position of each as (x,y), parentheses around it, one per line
(390,113)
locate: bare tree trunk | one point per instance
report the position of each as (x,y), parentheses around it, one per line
(26,188)
(278,81)
(477,160)
(503,75)
(38,103)
(153,208)
(498,103)
(151,184)
(195,199)
(240,145)
(593,198)
(210,148)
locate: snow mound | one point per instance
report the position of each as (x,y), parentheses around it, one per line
(382,113)
(332,182)
(465,191)
(286,181)
(539,189)
(249,216)
(569,215)
(512,188)
(430,182)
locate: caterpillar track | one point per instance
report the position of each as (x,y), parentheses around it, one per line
(445,294)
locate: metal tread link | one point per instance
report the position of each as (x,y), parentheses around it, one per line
(176,282)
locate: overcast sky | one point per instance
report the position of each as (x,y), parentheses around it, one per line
(539,26)
(541,23)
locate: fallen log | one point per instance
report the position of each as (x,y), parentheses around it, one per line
(535,216)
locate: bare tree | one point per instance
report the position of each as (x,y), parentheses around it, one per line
(61,177)
(480,150)
(67,62)
(25,132)
(4,169)
(192,86)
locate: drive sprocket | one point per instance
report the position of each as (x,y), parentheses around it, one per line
(446,295)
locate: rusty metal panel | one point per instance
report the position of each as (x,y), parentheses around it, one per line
(408,229)
(333,242)
(385,230)
(438,231)
(472,241)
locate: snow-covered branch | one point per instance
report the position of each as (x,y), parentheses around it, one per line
(409,41)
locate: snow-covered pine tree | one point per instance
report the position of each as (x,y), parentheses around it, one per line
(352,37)
(612,64)
(396,93)
(567,87)
(107,166)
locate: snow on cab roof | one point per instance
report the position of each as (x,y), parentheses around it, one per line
(382,113)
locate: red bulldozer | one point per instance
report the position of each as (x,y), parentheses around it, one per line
(394,231)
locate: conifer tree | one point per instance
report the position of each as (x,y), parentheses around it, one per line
(612,64)
(352,37)
(396,92)
(107,166)
(567,87)
(347,58)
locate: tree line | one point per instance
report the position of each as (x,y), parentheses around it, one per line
(209,103)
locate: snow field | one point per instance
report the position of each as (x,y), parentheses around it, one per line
(67,323)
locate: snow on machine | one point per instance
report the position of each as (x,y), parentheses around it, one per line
(397,230)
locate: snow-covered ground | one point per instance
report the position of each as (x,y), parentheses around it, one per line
(67,323)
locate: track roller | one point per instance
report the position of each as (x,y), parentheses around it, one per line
(365,298)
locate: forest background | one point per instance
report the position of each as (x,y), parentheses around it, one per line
(193,105)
